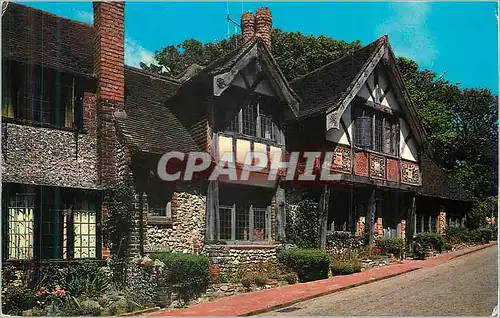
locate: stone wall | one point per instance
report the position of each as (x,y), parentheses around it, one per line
(48,157)
(230,258)
(339,242)
(186,234)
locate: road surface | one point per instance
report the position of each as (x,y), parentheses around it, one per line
(465,286)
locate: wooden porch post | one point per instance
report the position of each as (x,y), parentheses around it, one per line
(280,214)
(412,222)
(352,223)
(212,210)
(371,218)
(325,196)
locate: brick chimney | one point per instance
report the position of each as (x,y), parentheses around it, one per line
(109,69)
(247,26)
(263,25)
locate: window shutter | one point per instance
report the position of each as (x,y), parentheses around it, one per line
(363,131)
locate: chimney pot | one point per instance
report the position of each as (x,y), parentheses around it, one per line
(264,25)
(247,26)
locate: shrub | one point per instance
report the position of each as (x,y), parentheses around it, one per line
(430,240)
(290,278)
(482,235)
(309,264)
(188,274)
(260,280)
(457,235)
(391,245)
(86,278)
(345,267)
(246,281)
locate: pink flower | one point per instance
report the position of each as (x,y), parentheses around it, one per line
(43,291)
(59,292)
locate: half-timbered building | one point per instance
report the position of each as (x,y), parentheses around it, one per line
(77,121)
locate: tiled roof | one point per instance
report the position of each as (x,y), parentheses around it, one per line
(150,125)
(327,85)
(435,182)
(34,36)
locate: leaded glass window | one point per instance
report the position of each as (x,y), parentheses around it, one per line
(21,226)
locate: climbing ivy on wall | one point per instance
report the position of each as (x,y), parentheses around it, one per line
(117,228)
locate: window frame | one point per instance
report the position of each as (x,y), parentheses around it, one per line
(64,245)
(64,89)
(235,199)
(235,126)
(250,215)
(378,134)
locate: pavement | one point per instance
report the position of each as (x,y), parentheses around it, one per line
(465,286)
(272,299)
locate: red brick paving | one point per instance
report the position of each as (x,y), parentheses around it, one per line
(271,299)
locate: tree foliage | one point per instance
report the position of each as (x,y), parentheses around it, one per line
(460,123)
(296,54)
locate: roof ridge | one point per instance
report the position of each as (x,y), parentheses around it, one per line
(48,13)
(152,74)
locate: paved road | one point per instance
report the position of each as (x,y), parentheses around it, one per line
(466,286)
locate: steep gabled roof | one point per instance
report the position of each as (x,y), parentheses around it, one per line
(435,182)
(326,85)
(329,89)
(149,125)
(38,37)
(224,69)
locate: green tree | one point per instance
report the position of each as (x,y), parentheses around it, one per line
(297,54)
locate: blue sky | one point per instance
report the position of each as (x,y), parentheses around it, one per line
(459,39)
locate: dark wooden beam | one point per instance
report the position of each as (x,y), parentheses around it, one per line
(386,91)
(377,106)
(376,83)
(370,90)
(245,79)
(408,138)
(344,126)
(323,205)
(370,218)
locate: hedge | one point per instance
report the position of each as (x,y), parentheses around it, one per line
(188,274)
(391,245)
(345,267)
(463,235)
(309,264)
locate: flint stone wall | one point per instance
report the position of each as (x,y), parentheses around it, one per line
(231,257)
(186,234)
(339,242)
(48,156)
